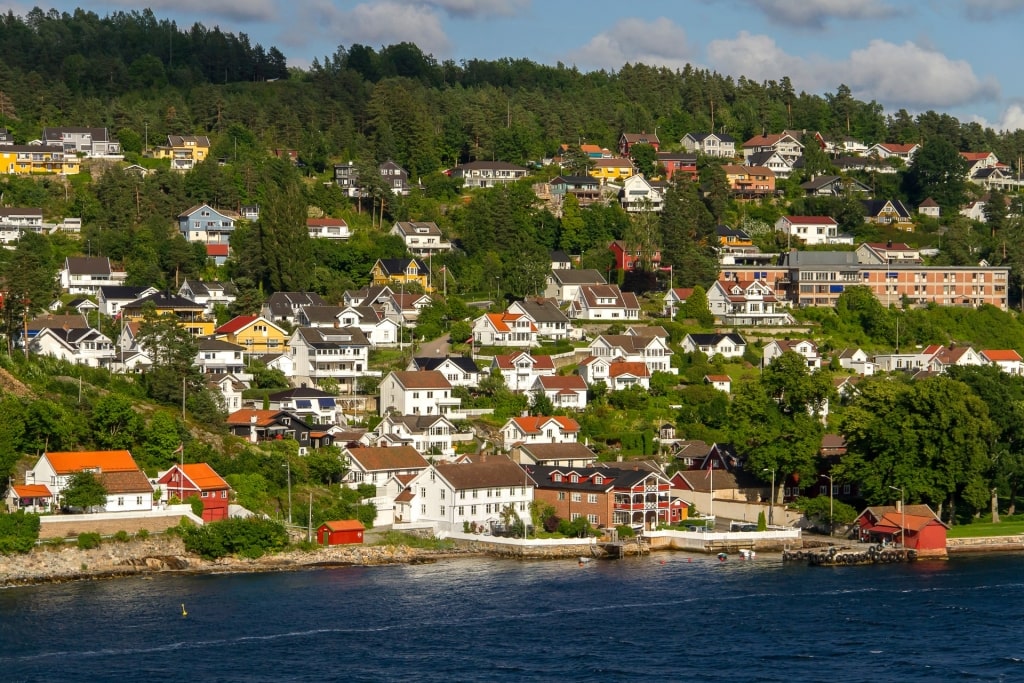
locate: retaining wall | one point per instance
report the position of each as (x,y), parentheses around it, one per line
(984,544)
(108,523)
(724,541)
(532,547)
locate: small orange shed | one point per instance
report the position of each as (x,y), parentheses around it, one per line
(341,532)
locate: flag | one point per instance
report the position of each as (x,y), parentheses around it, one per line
(179,449)
(668,268)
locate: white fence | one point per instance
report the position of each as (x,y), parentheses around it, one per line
(701,541)
(167,511)
(518,542)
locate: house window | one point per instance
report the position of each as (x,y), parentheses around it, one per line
(423,509)
(487,509)
(574,516)
(822,490)
(557,477)
(577,497)
(462,511)
(442,510)
(120,501)
(423,492)
(846,489)
(592,519)
(472,509)
(561,495)
(206,494)
(591,497)
(442,494)
(462,495)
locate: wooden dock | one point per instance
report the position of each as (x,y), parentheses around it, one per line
(840,556)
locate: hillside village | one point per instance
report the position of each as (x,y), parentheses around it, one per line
(626,335)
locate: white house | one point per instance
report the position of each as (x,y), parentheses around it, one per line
(750,302)
(710,144)
(719,382)
(128,488)
(521,370)
(426,433)
(564,391)
(545,315)
(539,429)
(421,238)
(81,346)
(460,371)
(564,285)
(729,345)
(111,298)
(313,406)
(86,274)
(420,392)
(488,173)
(218,357)
(209,294)
(674,298)
(379,329)
(504,329)
(803,347)
(651,350)
(1008,360)
(639,196)
(328,229)
(604,302)
(451,495)
(339,354)
(886,150)
(811,230)
(624,375)
(375,465)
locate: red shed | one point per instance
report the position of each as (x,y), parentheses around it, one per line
(917,527)
(341,532)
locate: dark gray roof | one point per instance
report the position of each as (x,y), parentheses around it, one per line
(285,304)
(164,300)
(218,345)
(323,338)
(434,362)
(88,265)
(543,311)
(587,276)
(712,339)
(300,392)
(123,292)
(398,265)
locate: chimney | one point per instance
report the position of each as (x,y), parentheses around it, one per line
(899,506)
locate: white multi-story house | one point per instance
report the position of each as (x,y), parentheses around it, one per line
(460,371)
(639,196)
(710,144)
(530,429)
(858,361)
(604,302)
(651,350)
(751,302)
(811,230)
(729,345)
(451,495)
(488,173)
(380,330)
(1007,360)
(92,142)
(430,434)
(545,315)
(421,392)
(218,357)
(564,391)
(81,346)
(786,145)
(564,285)
(802,347)
(229,388)
(521,370)
(339,354)
(328,229)
(375,465)
(86,274)
(421,238)
(504,329)
(128,488)
(312,405)
(111,298)
(209,294)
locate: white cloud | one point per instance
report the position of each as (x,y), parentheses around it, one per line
(660,42)
(815,13)
(905,75)
(1012,119)
(382,23)
(238,10)
(987,10)
(475,9)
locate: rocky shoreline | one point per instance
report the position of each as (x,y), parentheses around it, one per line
(167,555)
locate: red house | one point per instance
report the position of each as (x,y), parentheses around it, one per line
(198,479)
(626,258)
(916,526)
(341,532)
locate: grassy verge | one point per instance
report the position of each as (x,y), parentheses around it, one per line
(1010,527)
(413,541)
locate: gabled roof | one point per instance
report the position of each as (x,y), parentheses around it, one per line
(557,451)
(326,223)
(66,462)
(134,481)
(31,491)
(712,339)
(332,337)
(199,207)
(718,378)
(641,138)
(873,207)
(1001,355)
(407,228)
(811,220)
(542,311)
(494,472)
(88,265)
(421,379)
(769,140)
(299,392)
(701,137)
(240,322)
(264,418)
(594,294)
(637,369)
(284,304)
(467,365)
(344,525)
(398,266)
(507,361)
(165,300)
(562,382)
(374,459)
(586,276)
(531,424)
(121,292)
(203,476)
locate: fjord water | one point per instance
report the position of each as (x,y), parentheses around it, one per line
(666,617)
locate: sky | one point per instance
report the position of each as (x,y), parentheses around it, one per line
(960,57)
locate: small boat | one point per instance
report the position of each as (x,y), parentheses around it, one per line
(183,612)
(747,554)
(722,557)
(585,560)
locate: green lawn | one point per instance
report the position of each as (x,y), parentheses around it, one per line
(1011,527)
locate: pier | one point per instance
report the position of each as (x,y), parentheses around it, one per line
(836,556)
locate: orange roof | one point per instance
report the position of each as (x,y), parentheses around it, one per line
(627,368)
(532,424)
(325,222)
(718,378)
(236,324)
(217,249)
(898,148)
(345,525)
(244,417)
(32,491)
(908,521)
(203,476)
(996,355)
(975,156)
(566,382)
(106,461)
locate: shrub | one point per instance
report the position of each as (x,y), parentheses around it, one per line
(122,536)
(250,538)
(552,523)
(88,541)
(18,532)
(625,531)
(197,505)
(142,534)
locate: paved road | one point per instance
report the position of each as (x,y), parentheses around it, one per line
(438,347)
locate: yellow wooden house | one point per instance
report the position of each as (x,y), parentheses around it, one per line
(191,316)
(395,271)
(184,151)
(612,169)
(37,159)
(255,334)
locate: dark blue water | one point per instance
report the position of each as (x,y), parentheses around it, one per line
(654,618)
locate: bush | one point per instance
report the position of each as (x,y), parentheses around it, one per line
(122,536)
(197,505)
(250,538)
(625,531)
(142,534)
(88,541)
(18,532)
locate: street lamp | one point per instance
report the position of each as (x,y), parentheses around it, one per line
(831,524)
(903,517)
(771,500)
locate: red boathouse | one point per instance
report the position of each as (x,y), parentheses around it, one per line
(916,527)
(341,532)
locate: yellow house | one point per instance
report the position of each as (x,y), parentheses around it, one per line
(33,159)
(184,151)
(191,316)
(391,271)
(254,333)
(612,169)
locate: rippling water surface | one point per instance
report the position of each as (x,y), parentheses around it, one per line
(666,617)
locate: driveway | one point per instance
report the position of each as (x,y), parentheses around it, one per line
(438,347)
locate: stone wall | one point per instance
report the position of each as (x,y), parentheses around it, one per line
(984,544)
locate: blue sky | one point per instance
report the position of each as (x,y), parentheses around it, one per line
(957,56)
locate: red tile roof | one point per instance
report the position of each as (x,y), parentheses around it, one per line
(533,424)
(345,525)
(718,378)
(395,458)
(32,491)
(325,223)
(564,382)
(235,324)
(264,418)
(421,379)
(996,355)
(203,476)
(812,220)
(625,368)
(217,249)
